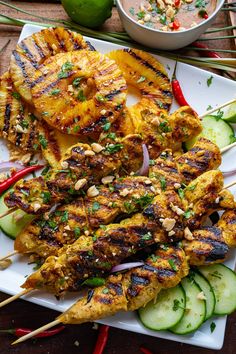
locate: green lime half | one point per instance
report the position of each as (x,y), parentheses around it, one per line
(88,13)
(230,113)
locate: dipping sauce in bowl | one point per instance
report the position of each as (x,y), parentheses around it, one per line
(169,15)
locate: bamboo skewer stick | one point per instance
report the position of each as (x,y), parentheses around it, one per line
(230,185)
(217,108)
(37,331)
(9,255)
(8,212)
(228,147)
(15,297)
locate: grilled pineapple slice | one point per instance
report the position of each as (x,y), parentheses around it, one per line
(17,124)
(54,144)
(144,73)
(35,49)
(78,92)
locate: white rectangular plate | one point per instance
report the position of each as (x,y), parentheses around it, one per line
(199,95)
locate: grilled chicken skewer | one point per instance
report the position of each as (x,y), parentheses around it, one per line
(130,194)
(127,291)
(167,219)
(83,170)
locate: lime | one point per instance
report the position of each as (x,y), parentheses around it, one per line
(230,113)
(88,13)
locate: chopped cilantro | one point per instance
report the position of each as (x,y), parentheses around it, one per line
(77,81)
(105,291)
(16,95)
(163,183)
(43,141)
(144,200)
(24,124)
(76,128)
(140,15)
(46,197)
(106,126)
(52,224)
(151,162)
(147,236)
(65,216)
(67,66)
(200,3)
(164,127)
(96,206)
(181,193)
(55,92)
(77,231)
(188,213)
(111,136)
(81,97)
(212,326)
(130,208)
(209,81)
(62,75)
(101,98)
(163,19)
(172,264)
(112,148)
(154,258)
(94,282)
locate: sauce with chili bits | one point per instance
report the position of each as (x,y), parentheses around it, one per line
(169,15)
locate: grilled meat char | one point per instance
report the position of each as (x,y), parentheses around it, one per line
(79,166)
(132,289)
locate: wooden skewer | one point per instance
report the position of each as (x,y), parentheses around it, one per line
(15,297)
(227,147)
(37,331)
(9,255)
(9,211)
(217,108)
(230,184)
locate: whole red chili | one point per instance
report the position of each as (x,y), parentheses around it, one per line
(176,24)
(20,332)
(17,176)
(177,91)
(177,3)
(207,53)
(102,339)
(145,350)
(205,16)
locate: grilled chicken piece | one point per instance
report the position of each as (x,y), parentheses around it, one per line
(80,164)
(130,290)
(227,224)
(165,168)
(88,82)
(47,233)
(97,254)
(144,73)
(203,156)
(17,124)
(32,51)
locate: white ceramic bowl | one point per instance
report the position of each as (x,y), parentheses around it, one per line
(164,40)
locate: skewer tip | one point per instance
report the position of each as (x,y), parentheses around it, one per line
(36,332)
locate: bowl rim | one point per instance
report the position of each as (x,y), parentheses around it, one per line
(217,9)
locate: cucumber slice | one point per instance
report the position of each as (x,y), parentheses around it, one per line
(223,282)
(12,224)
(195,312)
(216,130)
(206,287)
(166,311)
(230,113)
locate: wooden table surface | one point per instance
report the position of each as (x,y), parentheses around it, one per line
(24,314)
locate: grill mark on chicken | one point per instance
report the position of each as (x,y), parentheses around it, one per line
(21,65)
(38,48)
(28,54)
(7,118)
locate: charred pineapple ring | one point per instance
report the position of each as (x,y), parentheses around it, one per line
(143,72)
(17,124)
(78,92)
(35,49)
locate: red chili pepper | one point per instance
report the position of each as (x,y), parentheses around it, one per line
(177,91)
(176,24)
(207,53)
(17,176)
(205,16)
(177,3)
(102,339)
(145,350)
(20,332)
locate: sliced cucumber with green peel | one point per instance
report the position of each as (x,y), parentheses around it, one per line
(12,224)
(207,291)
(223,282)
(166,311)
(230,113)
(216,130)
(195,312)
